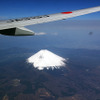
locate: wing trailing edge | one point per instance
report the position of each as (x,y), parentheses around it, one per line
(17,31)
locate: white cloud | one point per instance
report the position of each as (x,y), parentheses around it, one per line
(41,33)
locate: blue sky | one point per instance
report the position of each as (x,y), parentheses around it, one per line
(70,33)
(23,8)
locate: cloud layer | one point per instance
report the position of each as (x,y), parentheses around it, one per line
(41,33)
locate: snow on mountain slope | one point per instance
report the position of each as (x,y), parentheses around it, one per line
(46,59)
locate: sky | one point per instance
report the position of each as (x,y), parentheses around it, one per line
(70,33)
(23,8)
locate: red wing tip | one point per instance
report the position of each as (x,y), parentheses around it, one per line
(66,12)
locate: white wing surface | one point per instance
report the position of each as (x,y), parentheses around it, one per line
(15,26)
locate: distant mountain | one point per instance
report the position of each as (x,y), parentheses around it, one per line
(46,59)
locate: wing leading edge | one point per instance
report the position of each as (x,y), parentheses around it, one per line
(16,23)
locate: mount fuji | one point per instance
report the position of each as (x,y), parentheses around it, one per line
(46,59)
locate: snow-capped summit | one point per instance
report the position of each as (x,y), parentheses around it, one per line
(46,59)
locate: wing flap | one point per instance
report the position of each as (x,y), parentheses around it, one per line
(17,31)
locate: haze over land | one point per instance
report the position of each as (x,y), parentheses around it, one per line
(67,34)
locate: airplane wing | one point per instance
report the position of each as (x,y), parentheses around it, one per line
(16,26)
